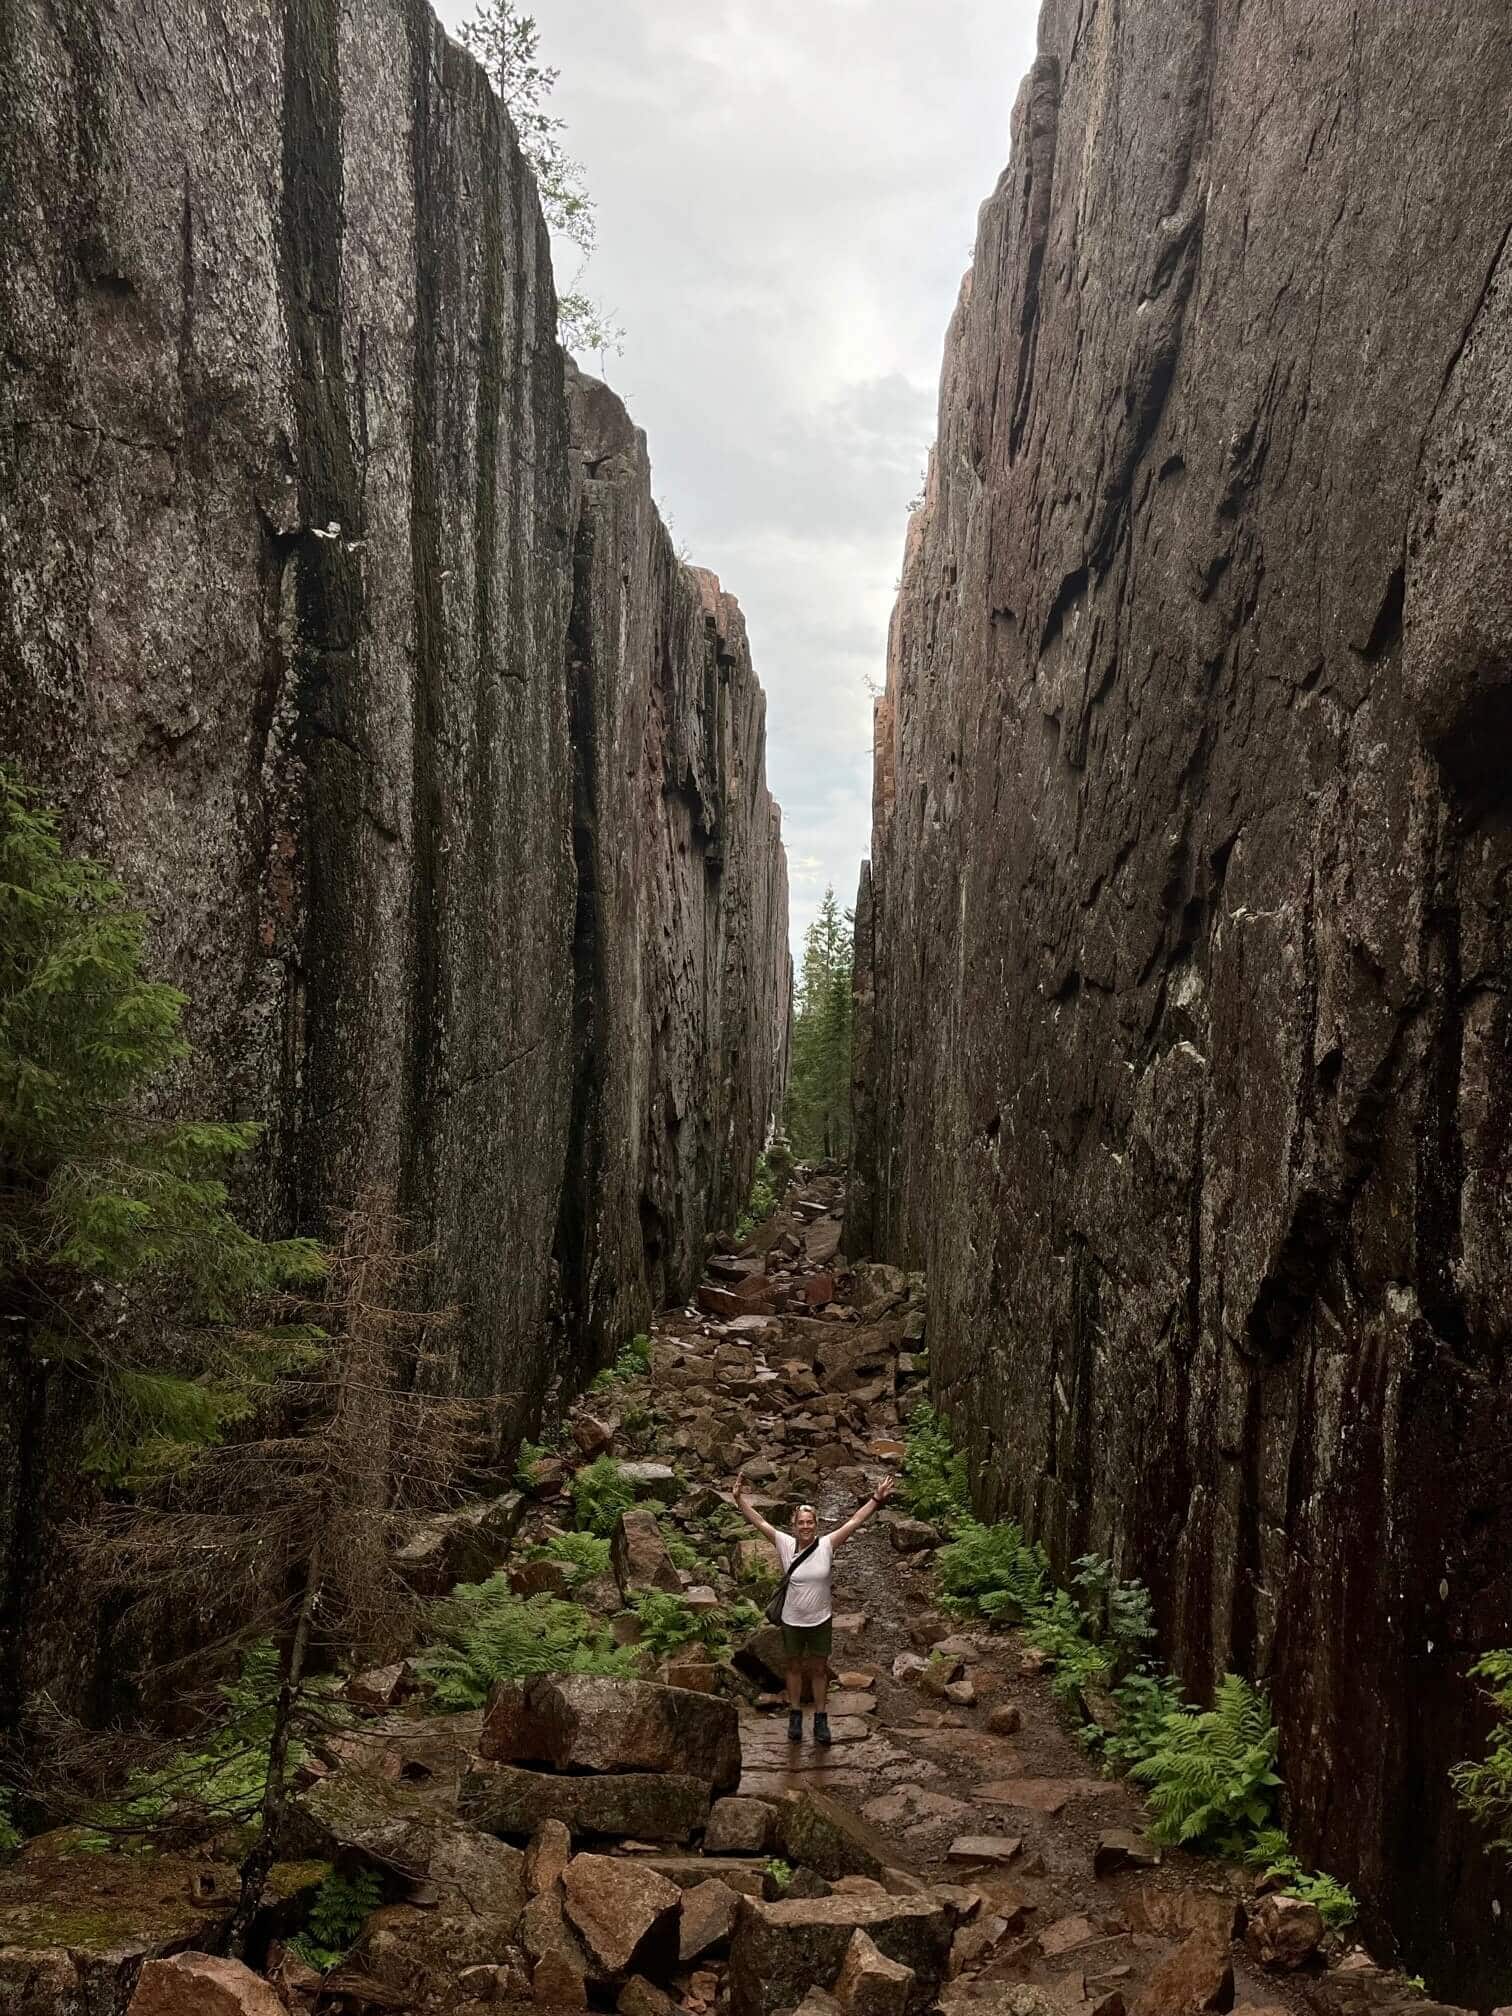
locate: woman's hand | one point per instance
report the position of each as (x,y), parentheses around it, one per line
(885,1490)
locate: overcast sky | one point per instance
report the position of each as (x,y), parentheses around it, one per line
(787,195)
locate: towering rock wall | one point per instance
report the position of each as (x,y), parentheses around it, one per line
(288,515)
(1186,934)
(682,967)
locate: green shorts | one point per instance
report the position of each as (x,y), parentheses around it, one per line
(808,1641)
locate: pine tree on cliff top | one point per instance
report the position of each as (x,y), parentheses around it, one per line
(818,1113)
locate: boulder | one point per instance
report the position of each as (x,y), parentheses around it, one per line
(638,1555)
(364,1811)
(1006,1719)
(462,1546)
(380,1688)
(76,1929)
(652,1480)
(624,1913)
(644,1805)
(746,1874)
(1197,1976)
(708,1918)
(911,1536)
(198,1984)
(869,1984)
(593,1435)
(1118,1849)
(998,1850)
(548,1854)
(588,1722)
(820,1833)
(640,1997)
(739,1827)
(779,1951)
(1284,1932)
(558,1964)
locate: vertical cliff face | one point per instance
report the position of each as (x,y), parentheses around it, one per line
(681,961)
(1185,935)
(287,528)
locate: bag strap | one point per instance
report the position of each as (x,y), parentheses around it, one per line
(796,1562)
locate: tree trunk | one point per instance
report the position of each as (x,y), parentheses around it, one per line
(264,1850)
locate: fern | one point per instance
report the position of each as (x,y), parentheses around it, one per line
(600,1492)
(1484,1786)
(1118,1614)
(584,1553)
(1212,1780)
(668,1624)
(1145,1701)
(991,1571)
(780,1872)
(934,1471)
(1271,1853)
(488,1634)
(343,1904)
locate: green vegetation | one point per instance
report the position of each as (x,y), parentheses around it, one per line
(220,1779)
(600,1492)
(668,1624)
(1484,1786)
(780,1872)
(100,1194)
(987,1571)
(818,1103)
(11,1836)
(586,1554)
(763,1200)
(934,1471)
(1211,1778)
(506,42)
(1210,1774)
(485,1633)
(343,1904)
(1271,1854)
(633,1362)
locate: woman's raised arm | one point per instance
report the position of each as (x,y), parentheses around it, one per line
(859,1517)
(748,1511)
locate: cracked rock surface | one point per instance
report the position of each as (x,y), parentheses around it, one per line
(1183,951)
(327,623)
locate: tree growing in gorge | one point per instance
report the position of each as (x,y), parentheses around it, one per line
(121,1263)
(507,42)
(818,1108)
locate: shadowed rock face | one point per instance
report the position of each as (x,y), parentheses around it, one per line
(1186,941)
(681,961)
(287,526)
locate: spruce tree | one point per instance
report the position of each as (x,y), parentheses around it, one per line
(120,1257)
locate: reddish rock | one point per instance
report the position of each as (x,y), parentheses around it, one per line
(1197,1976)
(781,1950)
(996,1849)
(624,1913)
(587,1722)
(1006,1719)
(819,1288)
(593,1435)
(720,1301)
(548,1854)
(1117,1849)
(708,1917)
(640,1997)
(1284,1932)
(380,1688)
(739,1827)
(869,1984)
(198,1984)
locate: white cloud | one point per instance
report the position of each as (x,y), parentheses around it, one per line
(787,195)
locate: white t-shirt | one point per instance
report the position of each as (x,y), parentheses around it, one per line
(808,1594)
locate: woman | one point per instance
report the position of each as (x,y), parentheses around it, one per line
(807,1617)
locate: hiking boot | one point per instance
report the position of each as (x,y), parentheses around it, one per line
(795,1726)
(821,1727)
